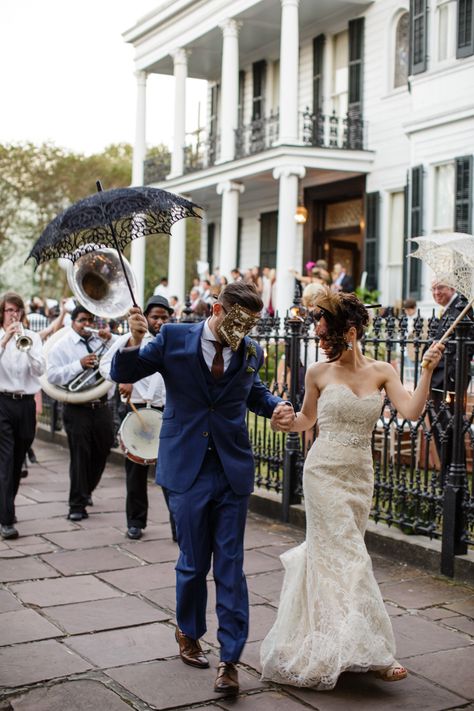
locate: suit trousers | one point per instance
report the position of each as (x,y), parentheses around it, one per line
(210,523)
(17,432)
(90,436)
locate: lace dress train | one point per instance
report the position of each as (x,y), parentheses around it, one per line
(331,616)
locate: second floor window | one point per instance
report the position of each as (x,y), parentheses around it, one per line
(465,39)
(258,94)
(401,50)
(443,217)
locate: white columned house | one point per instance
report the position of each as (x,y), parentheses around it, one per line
(287,239)
(289,61)
(230,88)
(230,192)
(177,243)
(137,249)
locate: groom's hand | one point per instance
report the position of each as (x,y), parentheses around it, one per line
(283,417)
(138,326)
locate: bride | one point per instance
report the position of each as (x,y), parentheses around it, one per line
(331,617)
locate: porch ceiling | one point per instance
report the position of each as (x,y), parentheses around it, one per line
(259,36)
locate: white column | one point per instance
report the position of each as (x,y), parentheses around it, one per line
(203,242)
(289,56)
(177,260)
(180,60)
(287,239)
(229,225)
(137,250)
(229,89)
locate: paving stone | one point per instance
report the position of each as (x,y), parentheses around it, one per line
(438,613)
(451,669)
(104,614)
(157,531)
(10,553)
(25,626)
(22,500)
(148,577)
(264,701)
(154,551)
(363,692)
(257,562)
(126,646)
(414,635)
(423,592)
(37,661)
(386,570)
(8,602)
(46,593)
(262,618)
(82,695)
(267,586)
(261,537)
(36,548)
(102,520)
(92,560)
(169,683)
(393,610)
(35,511)
(463,607)
(44,495)
(46,525)
(461,623)
(25,569)
(81,539)
(251,656)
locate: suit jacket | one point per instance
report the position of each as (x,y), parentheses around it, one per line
(444,375)
(192,416)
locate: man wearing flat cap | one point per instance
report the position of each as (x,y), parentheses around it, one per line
(149,390)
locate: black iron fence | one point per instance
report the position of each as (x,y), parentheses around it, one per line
(423,469)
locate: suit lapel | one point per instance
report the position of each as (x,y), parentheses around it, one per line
(192,347)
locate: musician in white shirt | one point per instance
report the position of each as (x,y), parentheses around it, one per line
(89,425)
(148,390)
(19,381)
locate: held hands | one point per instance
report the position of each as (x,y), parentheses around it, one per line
(432,356)
(283,418)
(138,326)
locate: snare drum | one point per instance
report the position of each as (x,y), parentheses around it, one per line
(139,435)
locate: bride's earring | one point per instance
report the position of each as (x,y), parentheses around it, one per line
(349,346)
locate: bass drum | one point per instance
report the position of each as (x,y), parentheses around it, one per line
(139,435)
(63,394)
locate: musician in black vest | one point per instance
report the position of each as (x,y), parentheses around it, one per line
(88,425)
(443,380)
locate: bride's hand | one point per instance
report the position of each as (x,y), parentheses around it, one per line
(432,356)
(283,418)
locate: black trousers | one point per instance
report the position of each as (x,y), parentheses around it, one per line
(17,431)
(90,435)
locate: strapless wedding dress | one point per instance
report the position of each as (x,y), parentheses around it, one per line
(331,617)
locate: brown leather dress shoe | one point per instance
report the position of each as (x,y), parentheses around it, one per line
(190,651)
(227,680)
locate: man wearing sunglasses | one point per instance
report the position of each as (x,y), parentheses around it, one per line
(205,463)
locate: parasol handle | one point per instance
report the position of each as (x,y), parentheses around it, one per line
(114,236)
(446,335)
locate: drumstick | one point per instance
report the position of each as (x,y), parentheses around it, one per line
(452,327)
(140,418)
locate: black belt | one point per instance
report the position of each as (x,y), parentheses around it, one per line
(16,396)
(143,405)
(93,405)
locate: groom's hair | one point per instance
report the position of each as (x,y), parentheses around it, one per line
(238,292)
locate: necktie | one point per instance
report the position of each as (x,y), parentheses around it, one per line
(217,368)
(86,342)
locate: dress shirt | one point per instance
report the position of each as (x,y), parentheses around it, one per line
(19,371)
(150,389)
(64,358)
(208,348)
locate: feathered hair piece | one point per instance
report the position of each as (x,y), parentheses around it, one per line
(340,311)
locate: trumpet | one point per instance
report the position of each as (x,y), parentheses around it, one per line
(22,341)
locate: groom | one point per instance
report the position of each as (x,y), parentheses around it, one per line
(205,463)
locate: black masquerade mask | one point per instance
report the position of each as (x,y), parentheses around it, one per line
(237,323)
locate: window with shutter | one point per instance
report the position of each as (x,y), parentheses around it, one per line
(211,231)
(239,242)
(356,59)
(416,228)
(418,36)
(463,196)
(258,91)
(268,239)
(400,74)
(318,58)
(372,211)
(240,120)
(465,38)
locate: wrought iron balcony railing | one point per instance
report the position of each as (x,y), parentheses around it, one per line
(333,131)
(156,168)
(257,136)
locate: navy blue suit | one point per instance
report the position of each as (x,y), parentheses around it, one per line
(206,465)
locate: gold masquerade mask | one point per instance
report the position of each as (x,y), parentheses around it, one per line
(237,323)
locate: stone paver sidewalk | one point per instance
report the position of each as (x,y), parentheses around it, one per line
(87,616)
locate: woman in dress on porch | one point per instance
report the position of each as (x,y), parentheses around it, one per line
(331,617)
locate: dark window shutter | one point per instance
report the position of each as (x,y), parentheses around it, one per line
(418,36)
(372,212)
(239,242)
(241,98)
(463,204)
(214,110)
(268,239)
(465,38)
(211,230)
(416,227)
(406,222)
(356,88)
(259,71)
(318,59)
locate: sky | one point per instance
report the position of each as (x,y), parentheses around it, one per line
(67,76)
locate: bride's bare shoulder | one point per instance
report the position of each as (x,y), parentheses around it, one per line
(317,370)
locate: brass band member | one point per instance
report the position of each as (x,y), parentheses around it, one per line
(21,364)
(88,425)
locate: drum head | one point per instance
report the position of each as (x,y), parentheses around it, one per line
(139,435)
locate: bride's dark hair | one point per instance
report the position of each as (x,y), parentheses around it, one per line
(340,311)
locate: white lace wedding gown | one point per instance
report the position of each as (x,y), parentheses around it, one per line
(331,617)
